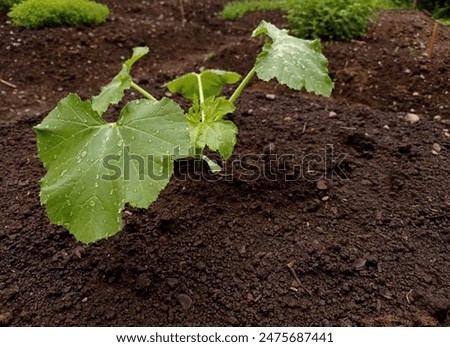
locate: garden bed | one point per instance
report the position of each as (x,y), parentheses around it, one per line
(369,245)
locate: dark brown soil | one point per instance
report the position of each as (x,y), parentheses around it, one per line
(369,241)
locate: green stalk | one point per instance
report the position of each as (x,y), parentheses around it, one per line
(237,93)
(143,91)
(199,151)
(202,95)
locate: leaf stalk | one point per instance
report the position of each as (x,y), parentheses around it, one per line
(143,91)
(237,93)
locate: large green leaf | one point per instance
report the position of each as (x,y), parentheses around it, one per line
(114,91)
(292,61)
(94,168)
(212,82)
(207,127)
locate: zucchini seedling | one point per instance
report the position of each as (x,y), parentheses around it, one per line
(94,168)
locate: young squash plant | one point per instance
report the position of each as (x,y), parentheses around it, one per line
(84,193)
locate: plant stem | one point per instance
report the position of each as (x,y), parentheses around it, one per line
(238,91)
(202,95)
(143,91)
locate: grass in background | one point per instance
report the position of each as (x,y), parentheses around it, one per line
(238,9)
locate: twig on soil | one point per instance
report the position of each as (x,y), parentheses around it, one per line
(6,83)
(183,16)
(432,40)
(304,128)
(408,296)
(294,274)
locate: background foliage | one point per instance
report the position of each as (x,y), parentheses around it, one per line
(33,14)
(330,19)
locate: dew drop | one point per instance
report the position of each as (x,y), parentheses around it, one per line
(83,154)
(120,143)
(68,202)
(92,203)
(96,185)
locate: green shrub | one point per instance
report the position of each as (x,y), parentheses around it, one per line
(330,19)
(238,9)
(34,14)
(7,4)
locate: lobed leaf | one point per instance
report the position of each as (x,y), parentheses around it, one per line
(294,62)
(114,91)
(94,168)
(212,82)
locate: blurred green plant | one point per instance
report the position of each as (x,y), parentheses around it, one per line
(330,19)
(238,9)
(34,14)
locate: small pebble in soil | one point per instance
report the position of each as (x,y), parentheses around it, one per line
(185,301)
(270,96)
(325,198)
(437,118)
(322,185)
(359,263)
(436,149)
(332,114)
(412,118)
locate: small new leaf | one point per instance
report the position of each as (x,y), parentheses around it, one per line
(212,82)
(292,61)
(114,91)
(94,168)
(214,132)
